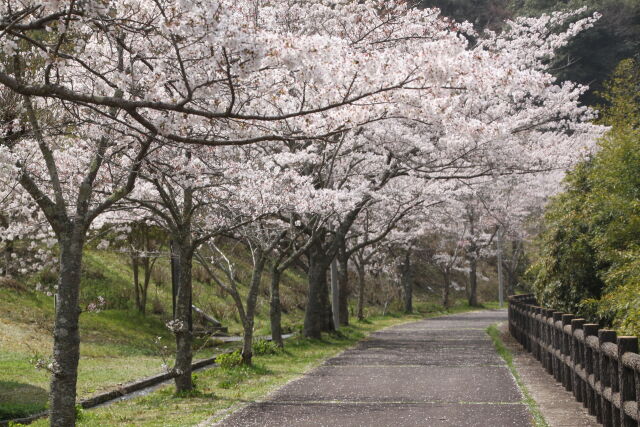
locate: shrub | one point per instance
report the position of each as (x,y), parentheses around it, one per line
(229,360)
(264,347)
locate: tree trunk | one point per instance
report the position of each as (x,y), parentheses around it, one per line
(511,267)
(407,285)
(135,267)
(147,266)
(446,290)
(8,249)
(66,337)
(183,333)
(275,309)
(252,299)
(335,293)
(500,274)
(473,281)
(8,260)
(343,288)
(317,316)
(361,283)
(511,281)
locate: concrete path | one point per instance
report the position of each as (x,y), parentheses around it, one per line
(437,372)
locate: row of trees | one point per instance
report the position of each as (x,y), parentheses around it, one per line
(316,129)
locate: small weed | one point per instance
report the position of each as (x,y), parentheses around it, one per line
(338,334)
(187,394)
(195,381)
(79,413)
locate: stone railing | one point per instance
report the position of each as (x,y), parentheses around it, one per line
(601,369)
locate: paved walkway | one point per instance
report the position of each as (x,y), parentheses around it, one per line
(437,372)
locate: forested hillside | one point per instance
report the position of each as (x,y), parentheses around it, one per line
(590,57)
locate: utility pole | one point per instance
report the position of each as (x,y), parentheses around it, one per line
(500,281)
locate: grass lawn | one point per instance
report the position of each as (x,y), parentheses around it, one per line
(117,344)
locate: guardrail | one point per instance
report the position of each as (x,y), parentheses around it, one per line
(601,369)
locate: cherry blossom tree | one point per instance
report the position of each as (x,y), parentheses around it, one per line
(133,234)
(446,250)
(515,204)
(403,201)
(186,192)
(266,194)
(74,167)
(233,72)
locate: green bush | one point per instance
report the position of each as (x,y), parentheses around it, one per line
(229,360)
(264,347)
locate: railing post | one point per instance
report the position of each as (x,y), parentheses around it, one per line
(557,340)
(521,323)
(565,346)
(549,340)
(576,358)
(626,380)
(525,324)
(510,313)
(516,319)
(537,333)
(523,339)
(605,336)
(590,360)
(529,315)
(516,323)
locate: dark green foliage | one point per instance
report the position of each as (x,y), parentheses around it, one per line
(591,57)
(482,13)
(590,250)
(566,272)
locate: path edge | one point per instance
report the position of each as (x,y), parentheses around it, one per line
(503,350)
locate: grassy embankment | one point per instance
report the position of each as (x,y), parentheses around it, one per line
(118,343)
